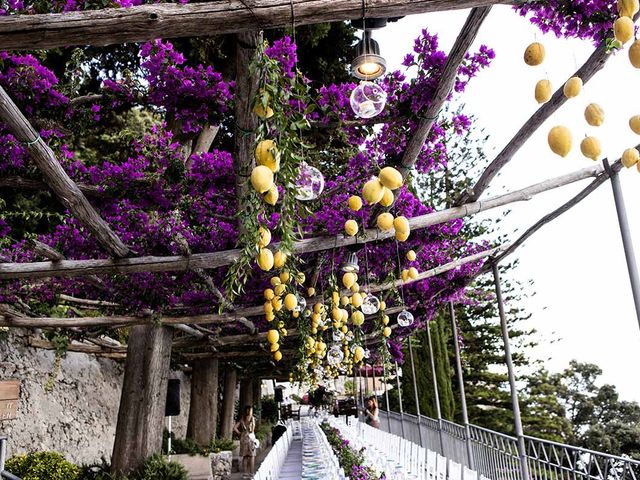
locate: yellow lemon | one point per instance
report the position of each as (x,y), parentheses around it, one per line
(401,224)
(355,203)
(594,115)
(591,148)
(356,300)
(387,197)
(273,336)
(290,302)
(262,112)
(344,315)
(275,347)
(628,8)
(411,256)
(383,305)
(348,279)
(560,140)
(266,154)
(269,294)
(534,54)
(279,289)
(265,237)
(413,273)
(634,124)
(543,91)
(336,314)
(402,236)
(357,318)
(385,320)
(311,291)
(351,227)
(372,191)
(355,288)
(404,274)
(390,178)
(284,277)
(272,195)
(318,307)
(623,29)
(344,300)
(268,307)
(270,316)
(358,353)
(630,157)
(573,87)
(335,296)
(265,259)
(277,303)
(277,356)
(300,278)
(386,331)
(634,54)
(275,281)
(261,178)
(385,221)
(279,259)
(344,329)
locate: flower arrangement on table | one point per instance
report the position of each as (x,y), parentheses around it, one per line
(350,459)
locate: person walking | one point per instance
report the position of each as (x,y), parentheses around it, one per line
(246,428)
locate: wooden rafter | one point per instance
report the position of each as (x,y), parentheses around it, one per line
(172,20)
(70,268)
(445,87)
(57,179)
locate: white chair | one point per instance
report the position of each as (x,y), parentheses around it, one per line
(468,474)
(432,465)
(454,470)
(441,467)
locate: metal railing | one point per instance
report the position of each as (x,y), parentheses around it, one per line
(3,455)
(495,455)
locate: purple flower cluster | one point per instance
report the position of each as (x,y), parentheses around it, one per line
(285,52)
(584,19)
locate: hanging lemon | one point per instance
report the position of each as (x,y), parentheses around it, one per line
(634,54)
(271,197)
(273,336)
(290,302)
(591,148)
(634,124)
(311,291)
(275,281)
(404,274)
(265,237)
(355,203)
(560,140)
(628,8)
(401,224)
(336,314)
(348,279)
(385,221)
(277,356)
(265,259)
(387,197)
(356,300)
(357,318)
(351,227)
(630,157)
(279,259)
(573,87)
(594,115)
(411,256)
(261,178)
(385,319)
(372,191)
(266,154)
(344,300)
(413,273)
(623,29)
(534,54)
(269,294)
(279,289)
(383,305)
(355,288)
(386,332)
(275,347)
(543,91)
(300,278)
(263,112)
(268,307)
(284,277)
(358,354)
(390,178)
(277,303)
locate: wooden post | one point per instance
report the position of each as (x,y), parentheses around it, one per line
(203,407)
(228,402)
(144,393)
(257,395)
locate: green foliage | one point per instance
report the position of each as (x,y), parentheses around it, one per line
(349,387)
(269,410)
(42,466)
(263,431)
(158,467)
(222,445)
(190,447)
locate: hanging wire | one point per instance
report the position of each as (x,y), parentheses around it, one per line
(402,284)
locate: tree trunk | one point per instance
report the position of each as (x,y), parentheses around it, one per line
(144,393)
(246,394)
(228,402)
(257,395)
(203,407)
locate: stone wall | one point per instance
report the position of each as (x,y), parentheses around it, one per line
(78,417)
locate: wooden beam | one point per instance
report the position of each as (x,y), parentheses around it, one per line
(73,268)
(172,20)
(445,87)
(67,191)
(30,184)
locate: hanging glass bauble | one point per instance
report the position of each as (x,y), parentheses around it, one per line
(302,304)
(405,318)
(370,304)
(349,336)
(367,353)
(337,336)
(368,100)
(334,355)
(310,182)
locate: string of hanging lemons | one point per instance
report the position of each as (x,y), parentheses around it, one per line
(560,139)
(379,190)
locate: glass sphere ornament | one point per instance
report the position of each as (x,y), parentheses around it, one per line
(367,353)
(368,99)
(337,336)
(309,184)
(302,303)
(405,318)
(335,355)
(370,304)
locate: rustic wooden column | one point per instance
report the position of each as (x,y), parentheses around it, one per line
(203,407)
(246,394)
(257,395)
(144,393)
(228,402)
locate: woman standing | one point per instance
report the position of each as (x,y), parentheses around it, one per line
(371,412)
(246,427)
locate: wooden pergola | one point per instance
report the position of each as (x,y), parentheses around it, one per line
(197,340)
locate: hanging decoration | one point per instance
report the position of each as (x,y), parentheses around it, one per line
(368,99)
(309,184)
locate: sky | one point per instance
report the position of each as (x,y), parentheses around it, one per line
(583,308)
